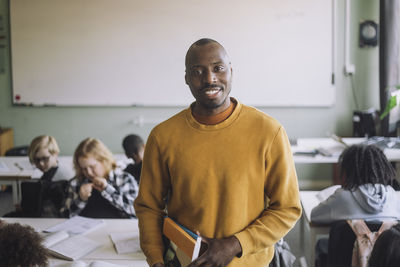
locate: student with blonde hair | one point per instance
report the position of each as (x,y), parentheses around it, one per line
(44,198)
(43,153)
(100,189)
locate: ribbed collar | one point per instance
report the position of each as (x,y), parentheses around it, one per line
(230,115)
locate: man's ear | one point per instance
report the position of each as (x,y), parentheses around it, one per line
(186,79)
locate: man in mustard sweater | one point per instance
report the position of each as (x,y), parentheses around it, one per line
(219,167)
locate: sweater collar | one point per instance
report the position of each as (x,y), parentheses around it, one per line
(237,106)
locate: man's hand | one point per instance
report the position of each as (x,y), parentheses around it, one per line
(99,183)
(220,252)
(85,191)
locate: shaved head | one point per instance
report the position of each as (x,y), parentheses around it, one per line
(199,43)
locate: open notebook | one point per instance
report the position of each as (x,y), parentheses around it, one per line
(64,246)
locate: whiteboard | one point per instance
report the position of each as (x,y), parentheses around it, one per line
(131,52)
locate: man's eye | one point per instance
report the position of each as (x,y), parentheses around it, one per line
(219,68)
(196,72)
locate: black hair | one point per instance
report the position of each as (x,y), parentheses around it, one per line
(364,164)
(21,245)
(132,143)
(386,251)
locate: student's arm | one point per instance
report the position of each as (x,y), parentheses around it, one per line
(324,212)
(74,204)
(121,191)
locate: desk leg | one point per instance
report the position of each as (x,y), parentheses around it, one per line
(303,233)
(313,242)
(15,192)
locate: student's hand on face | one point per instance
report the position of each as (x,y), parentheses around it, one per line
(220,252)
(86,191)
(99,183)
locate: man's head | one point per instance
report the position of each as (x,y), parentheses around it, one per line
(209,76)
(134,147)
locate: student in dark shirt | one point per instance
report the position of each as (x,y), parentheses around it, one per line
(45,197)
(386,251)
(134,149)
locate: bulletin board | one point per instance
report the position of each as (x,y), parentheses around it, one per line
(131,52)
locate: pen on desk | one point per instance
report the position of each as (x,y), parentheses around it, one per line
(18,166)
(339,139)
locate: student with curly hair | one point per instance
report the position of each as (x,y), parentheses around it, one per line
(100,189)
(367,189)
(386,251)
(21,246)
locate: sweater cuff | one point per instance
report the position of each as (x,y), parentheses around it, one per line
(245,241)
(153,260)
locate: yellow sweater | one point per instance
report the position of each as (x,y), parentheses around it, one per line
(218,177)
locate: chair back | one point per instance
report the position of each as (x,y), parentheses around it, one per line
(43,198)
(17,151)
(341,243)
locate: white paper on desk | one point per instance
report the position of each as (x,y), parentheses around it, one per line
(74,248)
(68,264)
(3,167)
(104,264)
(76,225)
(53,238)
(126,242)
(83,264)
(327,192)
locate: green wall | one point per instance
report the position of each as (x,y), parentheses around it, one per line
(69,125)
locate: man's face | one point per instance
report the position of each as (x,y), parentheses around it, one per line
(209,76)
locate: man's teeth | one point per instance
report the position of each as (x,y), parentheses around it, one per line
(212,91)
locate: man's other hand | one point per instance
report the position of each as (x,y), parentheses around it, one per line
(219,253)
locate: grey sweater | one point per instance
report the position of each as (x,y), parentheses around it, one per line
(368,202)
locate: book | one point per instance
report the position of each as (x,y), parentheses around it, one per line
(83,264)
(64,246)
(185,240)
(76,225)
(126,242)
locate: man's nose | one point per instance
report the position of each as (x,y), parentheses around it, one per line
(209,77)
